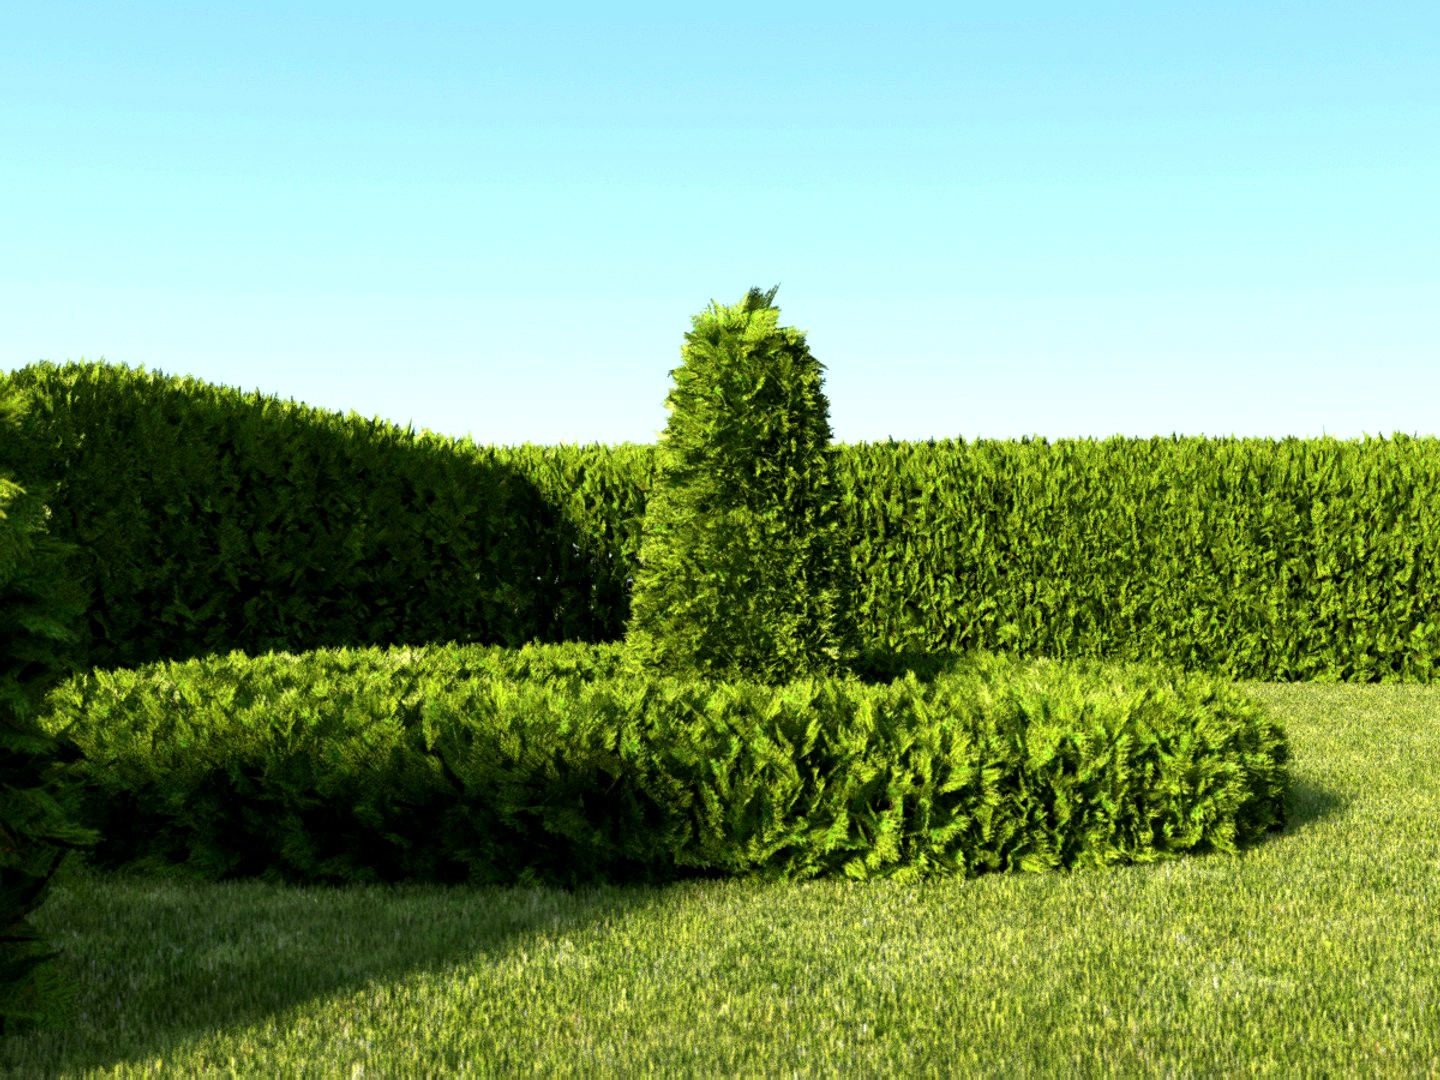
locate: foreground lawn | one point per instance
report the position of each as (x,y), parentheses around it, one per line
(1315,953)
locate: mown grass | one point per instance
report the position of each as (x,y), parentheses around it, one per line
(1315,952)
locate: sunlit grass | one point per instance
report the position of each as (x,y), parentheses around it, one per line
(1313,953)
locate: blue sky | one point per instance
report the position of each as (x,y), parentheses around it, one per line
(992,220)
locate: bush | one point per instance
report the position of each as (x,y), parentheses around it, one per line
(38,607)
(741,574)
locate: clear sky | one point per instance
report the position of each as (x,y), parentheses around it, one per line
(992,220)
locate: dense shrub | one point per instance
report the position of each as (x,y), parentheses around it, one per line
(741,574)
(39,607)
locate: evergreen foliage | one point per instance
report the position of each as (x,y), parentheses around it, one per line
(742,574)
(40,608)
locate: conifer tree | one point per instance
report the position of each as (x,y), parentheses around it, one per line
(742,572)
(41,608)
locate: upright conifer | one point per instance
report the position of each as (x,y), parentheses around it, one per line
(742,572)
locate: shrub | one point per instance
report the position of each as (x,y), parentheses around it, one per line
(38,607)
(741,572)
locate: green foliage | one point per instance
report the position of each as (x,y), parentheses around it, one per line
(543,766)
(742,574)
(39,606)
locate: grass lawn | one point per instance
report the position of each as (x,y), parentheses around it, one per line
(1316,952)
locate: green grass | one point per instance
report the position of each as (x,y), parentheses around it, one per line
(1314,953)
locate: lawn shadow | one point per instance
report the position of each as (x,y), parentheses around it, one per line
(236,954)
